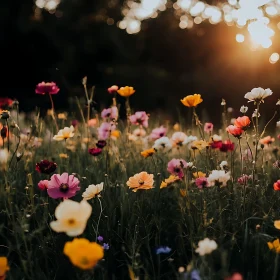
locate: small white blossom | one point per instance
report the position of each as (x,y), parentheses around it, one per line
(162,144)
(224,165)
(206,246)
(243,109)
(255,114)
(216,138)
(218,177)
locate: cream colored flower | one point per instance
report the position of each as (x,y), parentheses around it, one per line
(206,246)
(218,178)
(258,94)
(65,133)
(71,217)
(4,155)
(92,190)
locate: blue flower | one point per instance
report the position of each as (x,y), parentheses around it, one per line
(106,246)
(163,250)
(194,275)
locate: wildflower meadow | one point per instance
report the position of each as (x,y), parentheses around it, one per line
(87,194)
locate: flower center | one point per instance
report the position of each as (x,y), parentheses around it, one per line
(84,261)
(161,134)
(163,145)
(141,182)
(64,188)
(71,222)
(177,169)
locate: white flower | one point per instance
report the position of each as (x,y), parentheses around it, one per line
(258,94)
(254,115)
(92,190)
(65,133)
(206,246)
(139,132)
(223,103)
(218,177)
(162,144)
(178,138)
(224,165)
(71,217)
(216,138)
(278,124)
(243,109)
(4,155)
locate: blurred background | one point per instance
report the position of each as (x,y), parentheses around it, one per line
(164,49)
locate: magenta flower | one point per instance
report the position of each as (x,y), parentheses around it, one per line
(101,144)
(75,123)
(95,151)
(43,185)
(208,127)
(243,180)
(104,130)
(43,88)
(176,166)
(158,133)
(113,89)
(201,182)
(63,186)
(45,166)
(139,118)
(110,113)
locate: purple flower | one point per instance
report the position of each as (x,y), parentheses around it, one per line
(201,182)
(45,166)
(63,186)
(176,166)
(110,113)
(100,238)
(163,250)
(106,246)
(193,275)
(139,118)
(101,144)
(95,151)
(50,88)
(158,133)
(104,130)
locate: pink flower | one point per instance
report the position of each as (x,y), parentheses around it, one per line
(113,89)
(176,166)
(208,127)
(201,182)
(104,130)
(43,184)
(158,133)
(75,123)
(43,88)
(227,146)
(139,118)
(92,122)
(95,151)
(110,113)
(243,180)
(63,186)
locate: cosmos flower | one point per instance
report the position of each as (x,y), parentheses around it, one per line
(110,113)
(92,191)
(178,139)
(65,133)
(101,144)
(139,132)
(141,181)
(47,88)
(95,151)
(148,153)
(170,180)
(158,133)
(163,144)
(206,246)
(218,178)
(226,146)
(258,94)
(176,167)
(113,89)
(105,130)
(243,180)
(43,185)
(83,253)
(199,145)
(201,182)
(242,122)
(208,127)
(192,100)
(126,91)
(139,118)
(45,166)
(63,186)
(71,217)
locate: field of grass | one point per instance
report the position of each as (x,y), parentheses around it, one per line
(85,195)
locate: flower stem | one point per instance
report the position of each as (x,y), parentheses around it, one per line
(241,156)
(101,210)
(53,114)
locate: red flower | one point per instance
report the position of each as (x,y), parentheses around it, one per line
(6,102)
(113,89)
(242,122)
(216,144)
(234,130)
(95,151)
(227,146)
(43,88)
(45,166)
(101,144)
(276,186)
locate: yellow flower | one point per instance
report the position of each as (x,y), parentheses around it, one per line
(71,217)
(277,224)
(62,116)
(126,91)
(83,253)
(183,192)
(275,246)
(115,134)
(141,181)
(199,174)
(63,155)
(171,179)
(4,267)
(148,153)
(65,133)
(199,145)
(192,100)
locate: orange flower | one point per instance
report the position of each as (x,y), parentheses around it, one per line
(234,131)
(192,100)
(276,186)
(4,267)
(274,246)
(171,179)
(148,153)
(141,181)
(183,193)
(277,224)
(126,91)
(242,122)
(267,140)
(199,174)
(115,134)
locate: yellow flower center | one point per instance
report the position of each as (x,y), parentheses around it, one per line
(71,222)
(141,182)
